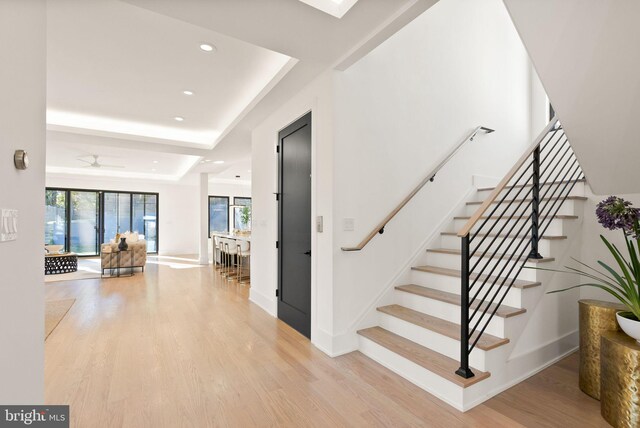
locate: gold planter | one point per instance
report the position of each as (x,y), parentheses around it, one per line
(620,380)
(596,317)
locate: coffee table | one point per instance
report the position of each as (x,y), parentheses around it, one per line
(55,264)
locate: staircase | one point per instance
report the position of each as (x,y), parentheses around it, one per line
(452,329)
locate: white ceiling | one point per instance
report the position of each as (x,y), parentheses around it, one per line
(117,69)
(336,8)
(67,158)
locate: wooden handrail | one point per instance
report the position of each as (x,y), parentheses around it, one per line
(466,229)
(430,177)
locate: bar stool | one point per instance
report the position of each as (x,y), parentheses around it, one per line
(244,252)
(217,252)
(222,247)
(231,251)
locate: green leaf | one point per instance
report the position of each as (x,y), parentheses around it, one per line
(623,266)
(602,287)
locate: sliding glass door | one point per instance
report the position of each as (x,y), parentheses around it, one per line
(55,223)
(117,214)
(144,218)
(83,219)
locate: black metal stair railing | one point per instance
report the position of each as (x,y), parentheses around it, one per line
(505,231)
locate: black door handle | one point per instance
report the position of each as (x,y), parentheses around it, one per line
(308,253)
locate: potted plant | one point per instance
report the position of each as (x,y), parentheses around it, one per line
(622,282)
(245,216)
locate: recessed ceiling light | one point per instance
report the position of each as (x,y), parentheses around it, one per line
(187,92)
(154,170)
(207,47)
(219,162)
(155,161)
(249,171)
(207,160)
(179,118)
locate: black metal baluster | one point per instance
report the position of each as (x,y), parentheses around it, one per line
(534,254)
(464,369)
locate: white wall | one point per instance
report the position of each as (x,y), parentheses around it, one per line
(396,113)
(399,111)
(317,98)
(586,52)
(22,126)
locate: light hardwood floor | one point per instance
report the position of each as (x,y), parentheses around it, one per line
(178,346)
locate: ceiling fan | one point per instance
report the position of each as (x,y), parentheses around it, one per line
(96,164)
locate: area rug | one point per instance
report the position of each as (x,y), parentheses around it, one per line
(87,269)
(54,311)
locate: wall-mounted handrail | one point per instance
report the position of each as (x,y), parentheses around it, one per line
(430,177)
(507,178)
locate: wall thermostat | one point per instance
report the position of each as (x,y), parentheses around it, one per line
(20,159)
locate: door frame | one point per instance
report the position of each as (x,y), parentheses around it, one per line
(312,285)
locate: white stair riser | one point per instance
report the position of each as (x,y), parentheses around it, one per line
(452,261)
(418,375)
(443,310)
(454,242)
(432,340)
(569,207)
(511,227)
(452,284)
(578,190)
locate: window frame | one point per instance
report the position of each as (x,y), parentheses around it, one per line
(100,211)
(233,212)
(209,231)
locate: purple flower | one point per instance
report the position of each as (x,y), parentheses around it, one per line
(616,213)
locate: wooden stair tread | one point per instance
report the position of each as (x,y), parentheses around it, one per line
(570,198)
(518,283)
(454,299)
(438,325)
(435,362)
(546,183)
(488,255)
(491,235)
(559,216)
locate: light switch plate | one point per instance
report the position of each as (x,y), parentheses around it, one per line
(348,224)
(8,225)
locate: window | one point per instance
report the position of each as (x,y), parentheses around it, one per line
(82,219)
(241,213)
(218,214)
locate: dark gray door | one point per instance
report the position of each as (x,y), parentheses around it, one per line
(294,221)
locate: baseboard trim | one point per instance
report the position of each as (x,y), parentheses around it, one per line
(569,339)
(264,302)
